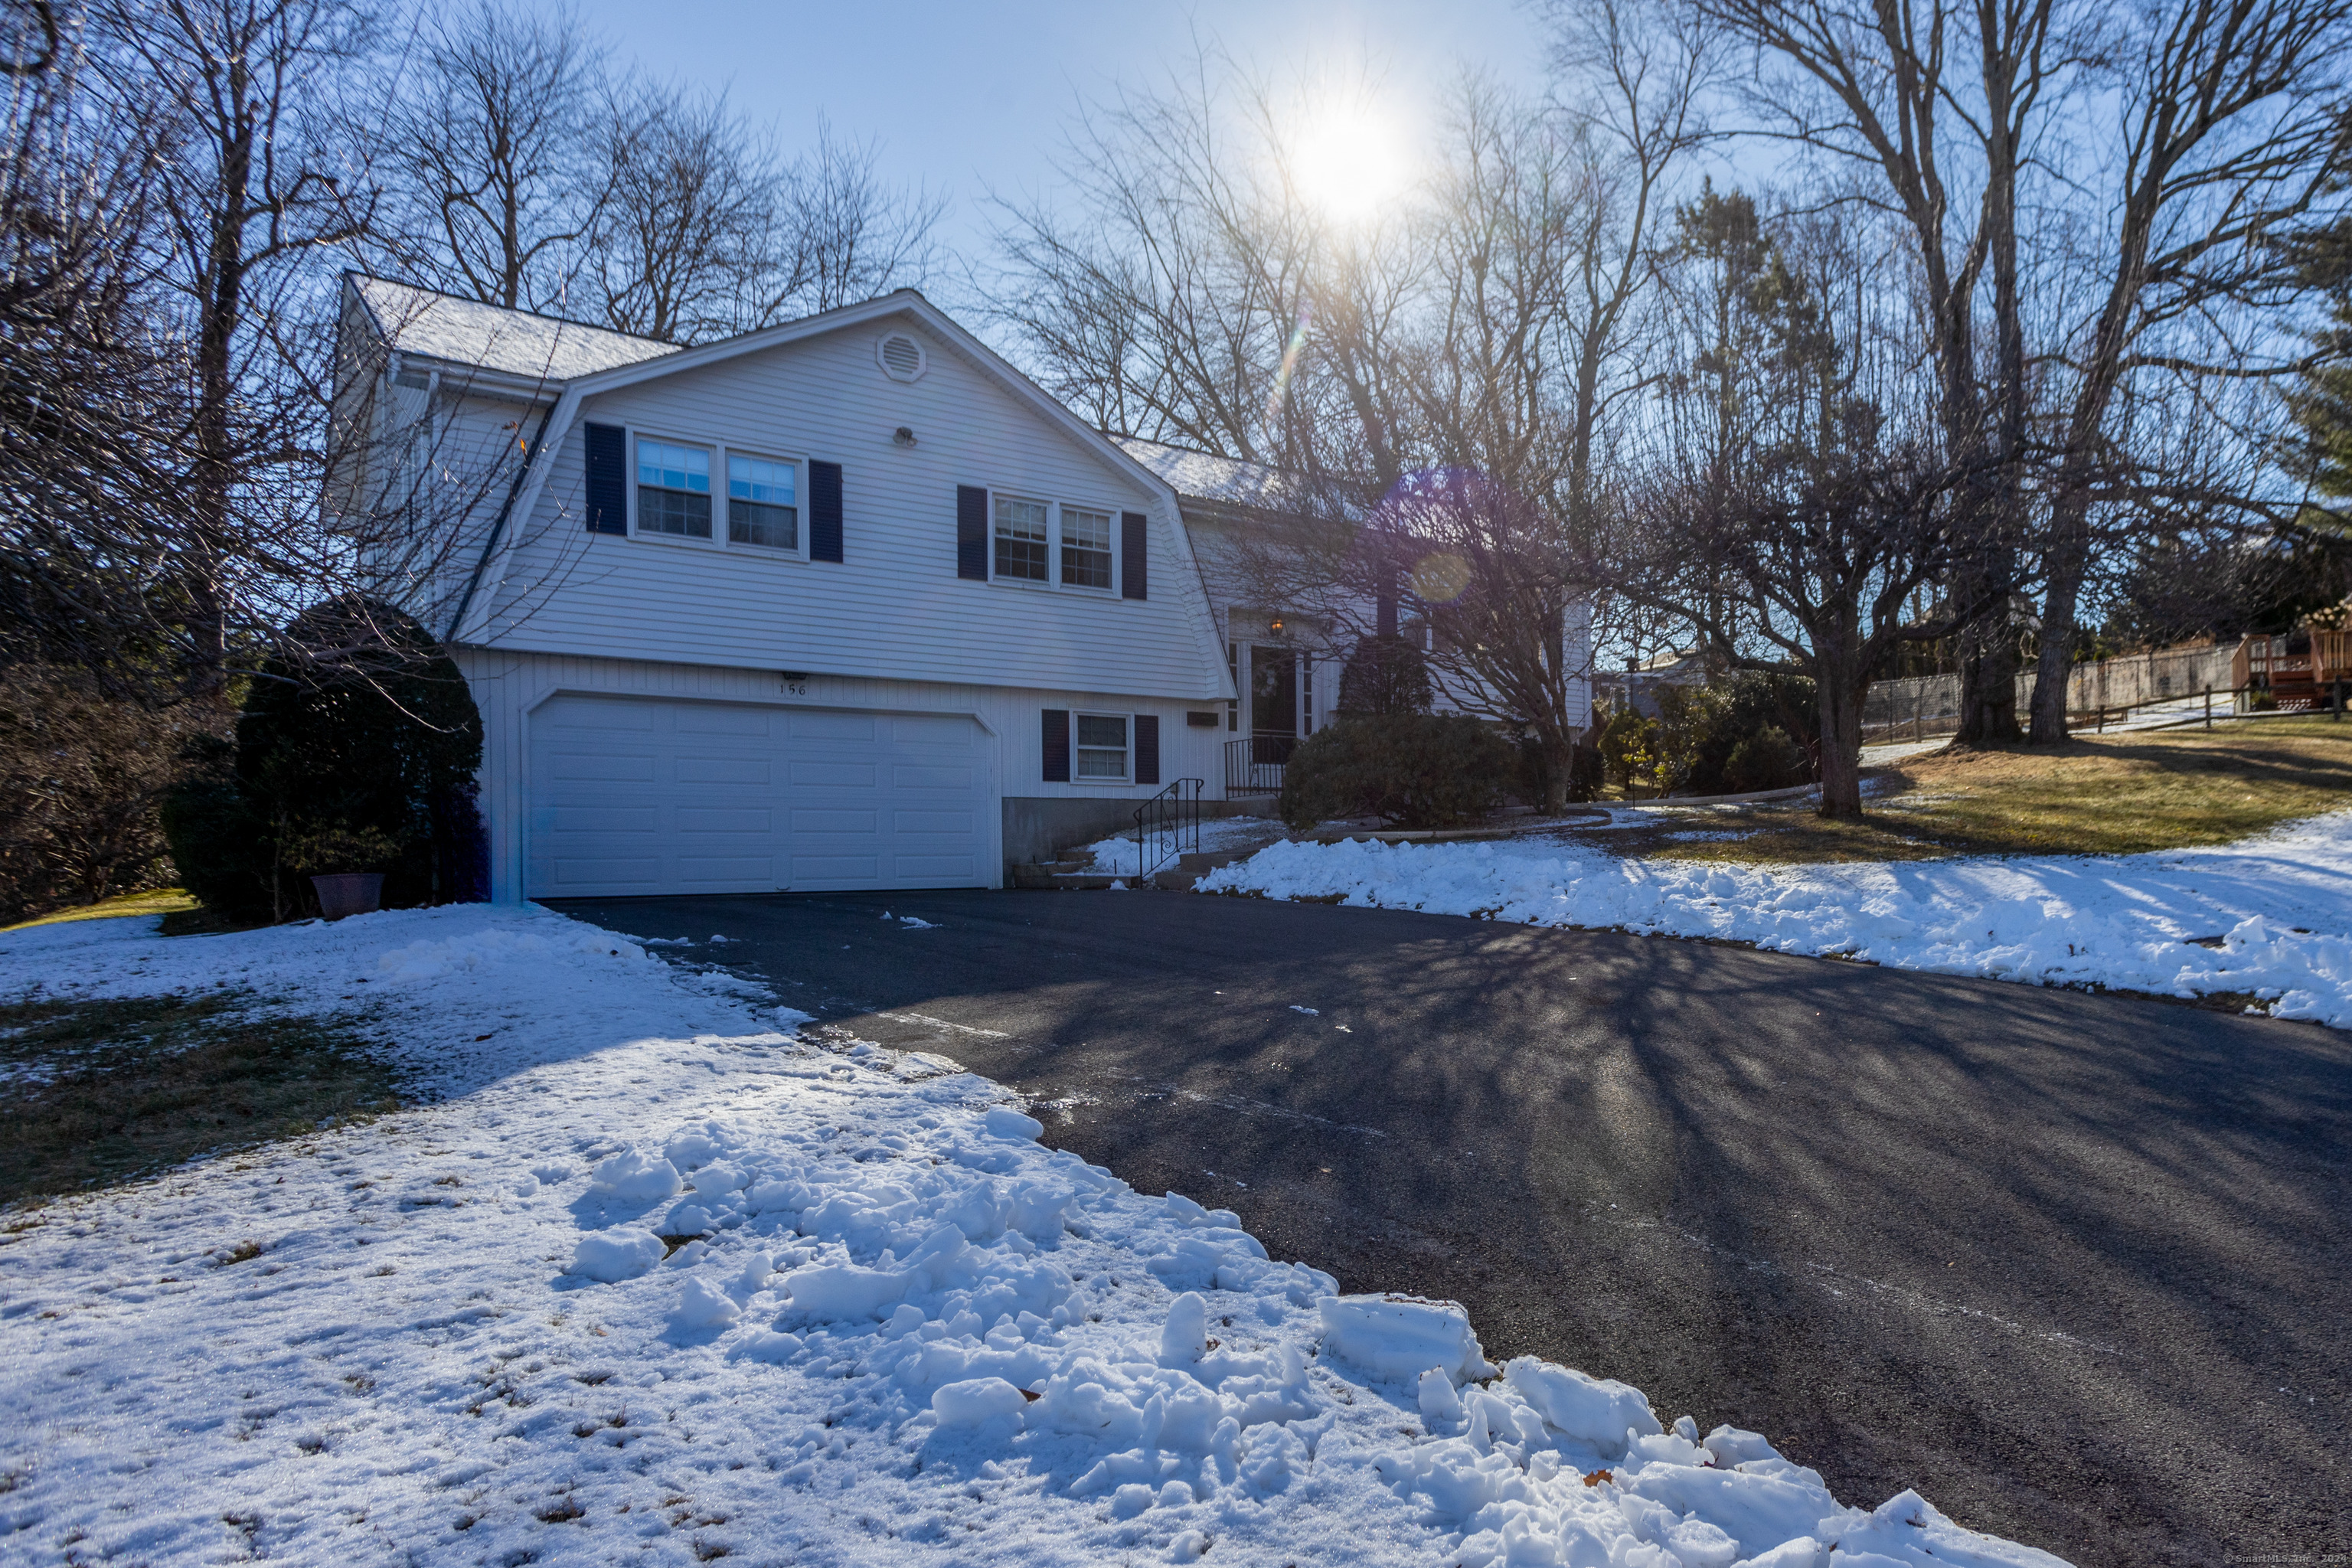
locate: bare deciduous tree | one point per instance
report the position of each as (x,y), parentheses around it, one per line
(495,175)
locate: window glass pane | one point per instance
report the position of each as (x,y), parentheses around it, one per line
(1021,543)
(673,511)
(778,527)
(676,467)
(1101,764)
(757,479)
(1086,548)
(1098,730)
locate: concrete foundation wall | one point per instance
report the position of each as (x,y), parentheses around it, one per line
(1037,827)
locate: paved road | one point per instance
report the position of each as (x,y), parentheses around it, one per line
(2074,1266)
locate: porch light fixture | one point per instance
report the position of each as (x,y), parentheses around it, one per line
(904,436)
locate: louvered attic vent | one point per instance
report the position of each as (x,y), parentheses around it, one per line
(902,357)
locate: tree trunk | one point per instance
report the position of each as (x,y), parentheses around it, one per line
(1839,685)
(1559,770)
(1988,648)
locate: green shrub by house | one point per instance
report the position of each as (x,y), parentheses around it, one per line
(1410,770)
(355,752)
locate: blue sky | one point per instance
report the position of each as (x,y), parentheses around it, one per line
(971,97)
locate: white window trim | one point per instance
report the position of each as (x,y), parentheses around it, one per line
(799,551)
(719,451)
(1127,775)
(1053,582)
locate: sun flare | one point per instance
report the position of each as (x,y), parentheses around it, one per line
(1348,160)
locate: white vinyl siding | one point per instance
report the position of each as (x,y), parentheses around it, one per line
(894,607)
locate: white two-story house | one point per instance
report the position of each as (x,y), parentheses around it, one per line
(845,603)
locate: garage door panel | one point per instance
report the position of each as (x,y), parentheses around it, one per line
(929,730)
(714,718)
(845,870)
(914,776)
(605,819)
(603,767)
(832,727)
(706,769)
(835,776)
(650,795)
(725,819)
(958,824)
(747,872)
(916,869)
(643,875)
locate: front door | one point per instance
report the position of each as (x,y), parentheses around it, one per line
(1274,690)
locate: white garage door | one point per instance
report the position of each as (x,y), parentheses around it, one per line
(641,796)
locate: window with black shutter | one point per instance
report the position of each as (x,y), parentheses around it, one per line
(824,511)
(1134,557)
(972,532)
(1058,745)
(608,479)
(1146,748)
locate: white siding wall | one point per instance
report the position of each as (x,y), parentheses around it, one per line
(894,607)
(508,684)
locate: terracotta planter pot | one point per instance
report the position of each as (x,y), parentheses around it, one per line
(349,893)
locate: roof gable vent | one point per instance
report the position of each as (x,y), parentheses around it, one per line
(902,358)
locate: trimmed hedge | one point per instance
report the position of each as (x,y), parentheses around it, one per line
(1410,770)
(355,752)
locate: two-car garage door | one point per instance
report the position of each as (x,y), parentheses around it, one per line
(643,795)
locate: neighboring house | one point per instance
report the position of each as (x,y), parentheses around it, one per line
(843,603)
(1641,681)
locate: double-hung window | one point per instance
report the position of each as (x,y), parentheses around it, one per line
(673,488)
(1022,542)
(1086,548)
(762,502)
(1102,748)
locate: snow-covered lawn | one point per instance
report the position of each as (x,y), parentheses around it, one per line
(907,1334)
(2271,916)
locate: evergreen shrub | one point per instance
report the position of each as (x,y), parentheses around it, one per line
(1410,770)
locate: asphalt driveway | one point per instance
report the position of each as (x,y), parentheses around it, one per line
(2079,1267)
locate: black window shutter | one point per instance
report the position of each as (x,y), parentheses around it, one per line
(1134,557)
(1058,745)
(608,491)
(1146,748)
(824,511)
(972,532)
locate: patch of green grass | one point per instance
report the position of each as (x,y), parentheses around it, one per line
(154,901)
(2115,795)
(95,1092)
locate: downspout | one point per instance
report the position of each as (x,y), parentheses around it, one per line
(498,524)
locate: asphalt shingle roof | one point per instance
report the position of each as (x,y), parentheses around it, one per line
(466,332)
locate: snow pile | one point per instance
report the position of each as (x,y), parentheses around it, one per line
(669,1297)
(2272,916)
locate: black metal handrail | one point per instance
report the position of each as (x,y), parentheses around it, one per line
(1167,825)
(1253,764)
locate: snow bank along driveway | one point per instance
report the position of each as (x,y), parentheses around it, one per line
(2271,916)
(906,1332)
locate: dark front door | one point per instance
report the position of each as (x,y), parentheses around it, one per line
(1274,690)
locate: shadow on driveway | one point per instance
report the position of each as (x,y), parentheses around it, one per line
(2073,1265)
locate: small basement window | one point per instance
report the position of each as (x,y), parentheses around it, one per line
(1086,548)
(1102,748)
(762,502)
(1020,538)
(673,488)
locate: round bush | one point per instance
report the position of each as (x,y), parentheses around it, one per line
(1410,770)
(355,752)
(1765,760)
